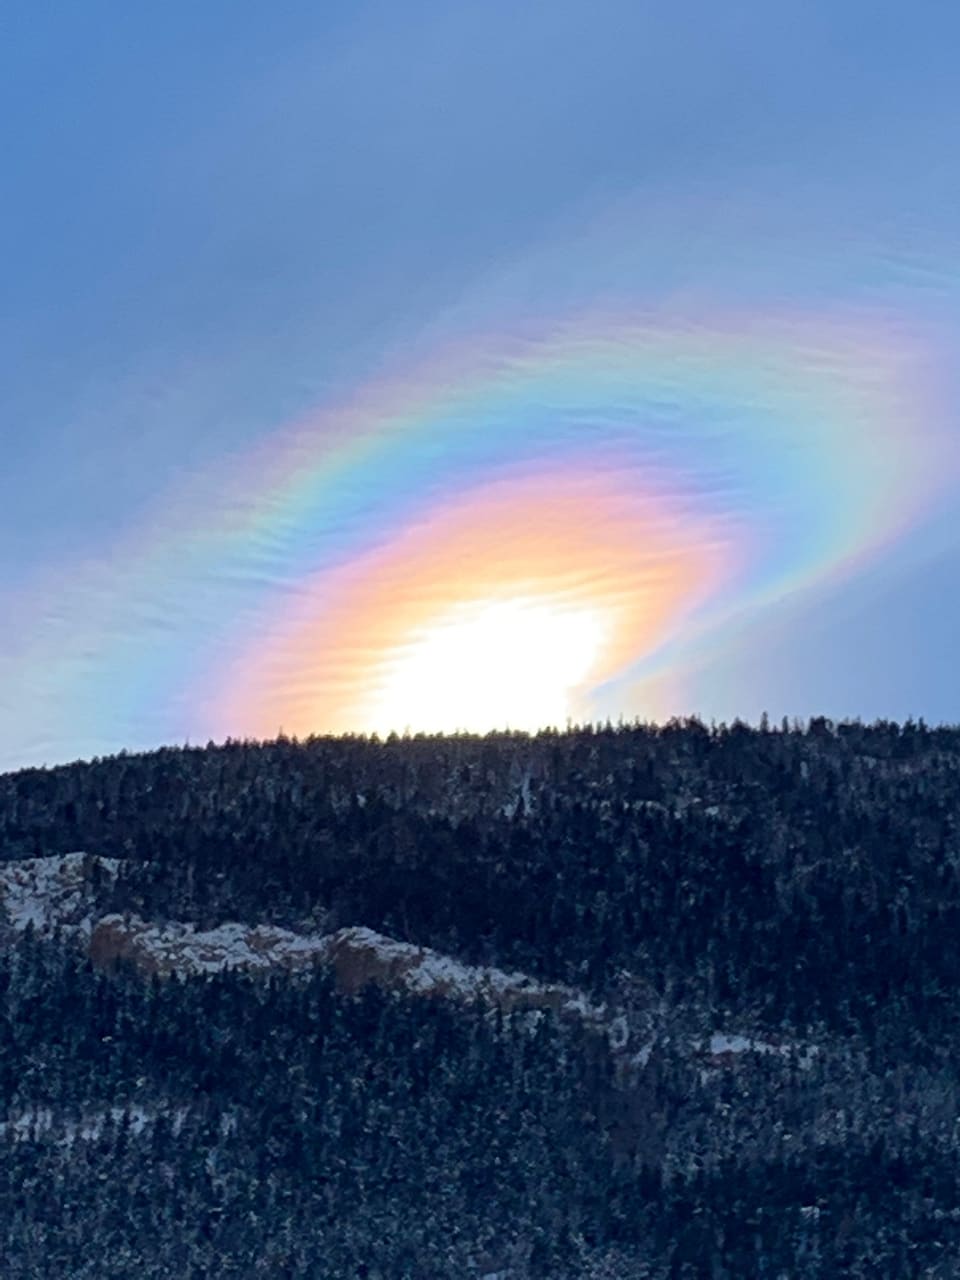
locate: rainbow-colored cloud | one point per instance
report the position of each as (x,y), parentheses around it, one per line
(641,482)
(513,527)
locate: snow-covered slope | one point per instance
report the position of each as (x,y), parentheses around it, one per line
(51,892)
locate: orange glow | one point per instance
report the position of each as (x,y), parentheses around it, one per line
(505,611)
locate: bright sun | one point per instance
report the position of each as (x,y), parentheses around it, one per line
(512,663)
(514,609)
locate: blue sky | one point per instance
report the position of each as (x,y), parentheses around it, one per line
(219,216)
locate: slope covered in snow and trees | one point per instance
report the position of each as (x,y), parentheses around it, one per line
(622,1002)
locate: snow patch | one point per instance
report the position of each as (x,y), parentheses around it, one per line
(721,1046)
(37,1123)
(52,891)
(180,947)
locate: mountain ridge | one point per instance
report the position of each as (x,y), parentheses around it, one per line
(743,944)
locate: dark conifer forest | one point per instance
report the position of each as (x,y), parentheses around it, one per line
(762,925)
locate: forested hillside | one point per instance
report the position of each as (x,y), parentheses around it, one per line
(653,1002)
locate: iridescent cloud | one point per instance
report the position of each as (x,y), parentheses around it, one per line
(511,528)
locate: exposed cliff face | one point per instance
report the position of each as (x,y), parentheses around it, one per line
(61,892)
(178,947)
(359,957)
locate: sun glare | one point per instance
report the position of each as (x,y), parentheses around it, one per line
(514,663)
(511,609)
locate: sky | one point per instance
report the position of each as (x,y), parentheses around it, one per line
(370,367)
